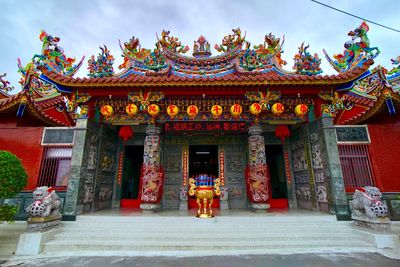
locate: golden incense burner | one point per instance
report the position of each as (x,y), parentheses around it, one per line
(204,189)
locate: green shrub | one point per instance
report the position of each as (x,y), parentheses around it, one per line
(13,178)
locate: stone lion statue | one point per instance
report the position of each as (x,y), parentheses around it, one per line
(367,202)
(46,203)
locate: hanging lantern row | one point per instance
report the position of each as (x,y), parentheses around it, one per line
(301,110)
(216,110)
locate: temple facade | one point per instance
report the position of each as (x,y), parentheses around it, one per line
(274,138)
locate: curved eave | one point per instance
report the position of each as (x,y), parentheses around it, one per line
(378,105)
(34,108)
(227,80)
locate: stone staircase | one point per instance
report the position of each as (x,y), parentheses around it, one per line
(189,236)
(9,235)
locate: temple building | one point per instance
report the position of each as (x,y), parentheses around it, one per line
(274,138)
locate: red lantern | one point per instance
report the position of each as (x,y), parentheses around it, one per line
(126,133)
(282,131)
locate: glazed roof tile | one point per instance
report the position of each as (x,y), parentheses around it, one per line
(257,78)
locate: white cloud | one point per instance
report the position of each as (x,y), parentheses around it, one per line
(85,25)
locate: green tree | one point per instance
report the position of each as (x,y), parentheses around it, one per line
(13,178)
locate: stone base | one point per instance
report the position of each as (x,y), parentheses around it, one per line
(149,206)
(183,205)
(32,243)
(41,224)
(260,207)
(223,205)
(379,224)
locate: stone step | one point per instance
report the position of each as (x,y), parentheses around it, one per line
(183,234)
(233,239)
(194,245)
(8,249)
(152,219)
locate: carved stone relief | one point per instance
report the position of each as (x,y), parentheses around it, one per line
(299,161)
(92,157)
(105,192)
(235,192)
(322,194)
(316,156)
(88,194)
(234,163)
(173,163)
(320,176)
(173,194)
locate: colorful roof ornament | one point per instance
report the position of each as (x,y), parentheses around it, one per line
(5,85)
(53,58)
(395,71)
(171,43)
(305,63)
(271,46)
(103,66)
(355,53)
(201,48)
(233,42)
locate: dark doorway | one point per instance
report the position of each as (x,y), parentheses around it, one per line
(276,167)
(131,173)
(203,160)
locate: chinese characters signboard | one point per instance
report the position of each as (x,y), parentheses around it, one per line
(231,127)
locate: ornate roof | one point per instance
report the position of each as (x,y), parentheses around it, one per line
(50,109)
(267,78)
(369,97)
(237,62)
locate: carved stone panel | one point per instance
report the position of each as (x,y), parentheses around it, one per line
(235,162)
(316,156)
(299,161)
(172,162)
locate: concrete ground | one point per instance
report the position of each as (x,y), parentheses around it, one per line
(296,260)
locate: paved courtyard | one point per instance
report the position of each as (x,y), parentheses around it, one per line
(297,260)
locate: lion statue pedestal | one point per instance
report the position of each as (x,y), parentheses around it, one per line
(368,210)
(44,212)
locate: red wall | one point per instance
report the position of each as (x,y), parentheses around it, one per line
(25,143)
(385,155)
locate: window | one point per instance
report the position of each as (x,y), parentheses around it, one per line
(356,166)
(55,166)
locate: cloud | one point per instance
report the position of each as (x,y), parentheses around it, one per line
(85,25)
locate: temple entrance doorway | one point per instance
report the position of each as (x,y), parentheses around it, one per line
(278,191)
(203,160)
(133,162)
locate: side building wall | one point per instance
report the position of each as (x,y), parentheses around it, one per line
(384,156)
(24,142)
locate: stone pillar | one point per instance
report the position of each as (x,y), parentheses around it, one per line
(337,195)
(72,205)
(152,175)
(256,178)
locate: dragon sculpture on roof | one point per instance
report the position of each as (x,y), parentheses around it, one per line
(233,41)
(355,53)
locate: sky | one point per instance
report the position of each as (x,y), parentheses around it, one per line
(84,25)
